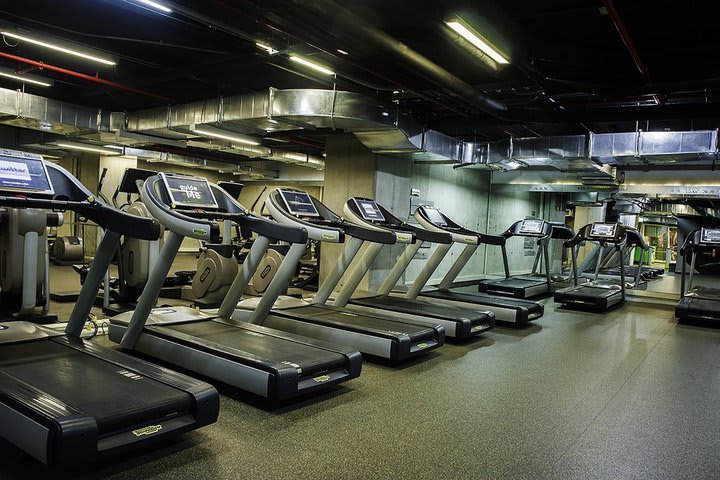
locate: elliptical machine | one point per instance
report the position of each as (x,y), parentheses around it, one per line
(217,264)
(25,263)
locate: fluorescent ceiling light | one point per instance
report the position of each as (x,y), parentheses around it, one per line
(476,40)
(270,50)
(58,48)
(279,140)
(342,51)
(312,65)
(89,148)
(155,5)
(25,80)
(211,132)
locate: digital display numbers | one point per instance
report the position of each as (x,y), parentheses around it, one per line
(369,210)
(532,226)
(710,236)
(299,203)
(24,174)
(603,230)
(192,192)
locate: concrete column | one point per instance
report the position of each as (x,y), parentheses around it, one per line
(349,171)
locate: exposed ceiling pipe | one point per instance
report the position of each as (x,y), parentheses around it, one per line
(439,75)
(628,42)
(65,71)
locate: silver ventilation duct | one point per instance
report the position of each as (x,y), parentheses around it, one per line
(643,148)
(268,112)
(192,162)
(564,153)
(33,112)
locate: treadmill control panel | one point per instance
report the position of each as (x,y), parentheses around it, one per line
(434,216)
(298,203)
(603,230)
(189,192)
(369,210)
(532,226)
(710,236)
(23,173)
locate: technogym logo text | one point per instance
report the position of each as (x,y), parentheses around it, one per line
(145,431)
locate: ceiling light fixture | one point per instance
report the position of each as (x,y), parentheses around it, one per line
(89,148)
(270,50)
(342,51)
(312,65)
(25,79)
(476,39)
(58,48)
(221,134)
(155,5)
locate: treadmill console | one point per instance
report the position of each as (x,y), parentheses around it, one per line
(298,203)
(369,210)
(710,236)
(434,216)
(189,192)
(532,227)
(24,173)
(603,231)
(128,183)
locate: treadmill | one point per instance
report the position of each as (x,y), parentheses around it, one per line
(506,309)
(701,304)
(560,231)
(67,401)
(458,322)
(382,336)
(611,275)
(523,286)
(596,294)
(639,273)
(272,364)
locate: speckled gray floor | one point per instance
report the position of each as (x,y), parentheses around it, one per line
(627,394)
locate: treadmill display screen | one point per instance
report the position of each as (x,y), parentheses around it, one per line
(532,226)
(435,216)
(369,210)
(710,236)
(299,203)
(24,174)
(603,230)
(189,192)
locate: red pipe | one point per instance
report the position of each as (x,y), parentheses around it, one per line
(73,73)
(627,40)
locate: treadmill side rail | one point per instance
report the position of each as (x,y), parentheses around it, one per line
(31,415)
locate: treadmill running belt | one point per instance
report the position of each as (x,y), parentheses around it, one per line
(114,396)
(416,307)
(514,282)
(485,299)
(594,292)
(705,293)
(351,321)
(275,349)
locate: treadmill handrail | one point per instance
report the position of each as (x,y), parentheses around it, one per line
(103,215)
(634,239)
(181,223)
(457,231)
(395,224)
(335,225)
(514,231)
